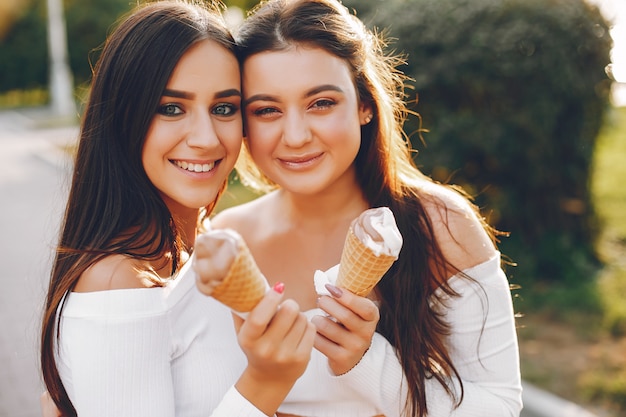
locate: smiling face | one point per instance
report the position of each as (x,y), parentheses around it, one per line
(195,136)
(303,118)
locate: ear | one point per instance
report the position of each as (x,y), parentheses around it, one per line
(366,113)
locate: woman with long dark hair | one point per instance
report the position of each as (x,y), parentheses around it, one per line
(323,117)
(125,331)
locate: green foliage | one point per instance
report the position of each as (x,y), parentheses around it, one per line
(24,52)
(88,23)
(606,385)
(610,197)
(242,4)
(513,93)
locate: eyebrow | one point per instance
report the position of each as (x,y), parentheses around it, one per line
(233,92)
(311,92)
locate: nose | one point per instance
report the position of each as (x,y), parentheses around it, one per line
(201,132)
(296,130)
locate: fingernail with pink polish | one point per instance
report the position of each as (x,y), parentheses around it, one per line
(334,291)
(279,287)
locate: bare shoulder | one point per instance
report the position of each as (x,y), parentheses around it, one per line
(244,216)
(113,272)
(458,229)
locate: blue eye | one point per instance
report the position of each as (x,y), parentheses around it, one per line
(170,109)
(224,109)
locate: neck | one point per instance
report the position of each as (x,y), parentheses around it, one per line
(323,210)
(187,227)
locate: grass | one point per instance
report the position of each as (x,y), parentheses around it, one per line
(609,194)
(235,194)
(23,98)
(574,354)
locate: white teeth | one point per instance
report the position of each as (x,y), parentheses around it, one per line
(191,167)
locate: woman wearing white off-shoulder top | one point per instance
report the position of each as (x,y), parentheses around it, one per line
(323,113)
(125,332)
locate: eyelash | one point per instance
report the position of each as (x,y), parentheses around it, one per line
(232,109)
(319,104)
(324,103)
(165,109)
(264,111)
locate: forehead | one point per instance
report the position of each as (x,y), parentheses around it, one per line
(296,68)
(206,65)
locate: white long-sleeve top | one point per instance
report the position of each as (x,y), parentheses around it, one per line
(482,345)
(153,352)
(172,352)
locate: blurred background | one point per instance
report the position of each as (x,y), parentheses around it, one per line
(521,102)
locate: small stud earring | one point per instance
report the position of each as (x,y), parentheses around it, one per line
(368,118)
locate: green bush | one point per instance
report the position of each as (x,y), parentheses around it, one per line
(24,49)
(24,52)
(513,93)
(88,23)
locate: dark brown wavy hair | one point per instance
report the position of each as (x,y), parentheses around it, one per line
(386,174)
(112,207)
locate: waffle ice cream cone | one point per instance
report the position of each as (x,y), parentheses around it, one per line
(227,271)
(372,245)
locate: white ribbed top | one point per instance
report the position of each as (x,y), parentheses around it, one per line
(172,352)
(483,346)
(153,352)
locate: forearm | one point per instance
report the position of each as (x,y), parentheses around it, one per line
(378,378)
(265,394)
(483,347)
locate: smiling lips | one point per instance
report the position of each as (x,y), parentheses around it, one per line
(301,161)
(191,167)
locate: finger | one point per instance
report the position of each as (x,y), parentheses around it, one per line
(284,320)
(326,346)
(238,321)
(308,339)
(297,331)
(361,306)
(351,320)
(340,336)
(342,348)
(259,318)
(332,331)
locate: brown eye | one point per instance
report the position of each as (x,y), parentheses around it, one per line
(324,103)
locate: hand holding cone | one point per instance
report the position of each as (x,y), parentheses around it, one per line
(372,245)
(227,271)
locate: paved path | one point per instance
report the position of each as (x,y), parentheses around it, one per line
(33,184)
(31,202)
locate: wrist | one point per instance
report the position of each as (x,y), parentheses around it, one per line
(342,370)
(265,393)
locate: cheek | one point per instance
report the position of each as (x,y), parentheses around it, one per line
(231,136)
(261,138)
(151,149)
(341,130)
(160,140)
